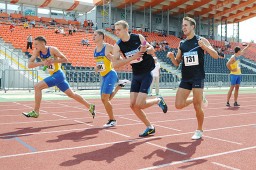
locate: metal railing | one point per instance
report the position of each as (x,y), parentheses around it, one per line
(19,79)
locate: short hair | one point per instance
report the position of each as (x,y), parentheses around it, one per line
(123,23)
(41,38)
(100,33)
(237,49)
(191,21)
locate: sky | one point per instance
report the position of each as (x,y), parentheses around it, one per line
(247,30)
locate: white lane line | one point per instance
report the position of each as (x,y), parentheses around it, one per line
(129,119)
(169,149)
(118,133)
(199,158)
(78,121)
(222,140)
(225,166)
(168,128)
(59,116)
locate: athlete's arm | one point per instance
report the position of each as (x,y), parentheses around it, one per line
(109,51)
(242,52)
(148,47)
(58,56)
(231,61)
(118,61)
(175,60)
(206,46)
(32,63)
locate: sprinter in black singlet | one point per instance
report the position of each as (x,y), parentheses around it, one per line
(191,54)
(137,52)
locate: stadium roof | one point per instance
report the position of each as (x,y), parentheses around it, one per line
(68,5)
(230,10)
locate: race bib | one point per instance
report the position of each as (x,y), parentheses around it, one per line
(101,66)
(51,67)
(191,58)
(131,53)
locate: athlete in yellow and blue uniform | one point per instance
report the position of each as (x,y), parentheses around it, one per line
(235,74)
(102,55)
(51,58)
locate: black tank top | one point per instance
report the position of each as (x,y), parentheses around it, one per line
(192,60)
(144,64)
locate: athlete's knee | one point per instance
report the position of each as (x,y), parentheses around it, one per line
(179,105)
(71,94)
(197,105)
(37,87)
(104,99)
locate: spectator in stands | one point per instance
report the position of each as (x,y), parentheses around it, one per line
(227,44)
(103,57)
(191,55)
(1,11)
(74,29)
(86,42)
(56,30)
(25,25)
(62,31)
(70,29)
(233,65)
(12,27)
(142,64)
(52,58)
(75,19)
(156,76)
(29,42)
(33,23)
(15,12)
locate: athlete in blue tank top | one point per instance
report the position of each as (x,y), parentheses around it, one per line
(138,53)
(191,54)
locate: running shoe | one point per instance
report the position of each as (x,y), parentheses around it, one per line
(162,104)
(197,135)
(92,110)
(122,83)
(31,114)
(147,132)
(110,123)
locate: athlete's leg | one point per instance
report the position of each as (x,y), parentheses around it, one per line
(236,92)
(197,102)
(108,106)
(38,94)
(182,99)
(69,92)
(117,88)
(137,108)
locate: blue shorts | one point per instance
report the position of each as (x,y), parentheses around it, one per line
(141,83)
(57,79)
(192,84)
(108,82)
(235,79)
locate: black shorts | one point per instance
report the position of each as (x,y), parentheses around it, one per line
(141,83)
(192,84)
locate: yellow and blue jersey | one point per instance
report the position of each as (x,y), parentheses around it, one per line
(103,64)
(236,65)
(52,68)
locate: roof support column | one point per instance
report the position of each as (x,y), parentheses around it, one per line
(109,14)
(144,20)
(168,22)
(150,19)
(131,25)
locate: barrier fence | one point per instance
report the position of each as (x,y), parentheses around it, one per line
(82,80)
